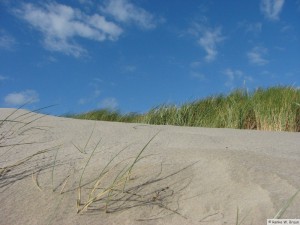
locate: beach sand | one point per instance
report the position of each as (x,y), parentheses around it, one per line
(185,175)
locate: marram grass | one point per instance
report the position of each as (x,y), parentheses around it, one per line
(275,109)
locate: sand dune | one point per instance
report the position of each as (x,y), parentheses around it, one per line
(185,175)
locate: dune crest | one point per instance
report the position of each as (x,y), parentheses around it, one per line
(61,171)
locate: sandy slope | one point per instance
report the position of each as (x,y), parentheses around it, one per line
(253,171)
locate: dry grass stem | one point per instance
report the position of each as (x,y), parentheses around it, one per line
(286,205)
(35,181)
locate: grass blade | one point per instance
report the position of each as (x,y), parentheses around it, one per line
(286,205)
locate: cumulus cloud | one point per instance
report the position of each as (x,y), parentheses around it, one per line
(21,98)
(209,40)
(109,103)
(126,12)
(60,24)
(256,56)
(271,8)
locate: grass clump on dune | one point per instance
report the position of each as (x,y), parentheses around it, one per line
(106,115)
(122,185)
(275,108)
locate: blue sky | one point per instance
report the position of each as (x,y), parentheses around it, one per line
(132,55)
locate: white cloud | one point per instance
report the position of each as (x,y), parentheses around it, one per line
(96,93)
(254,28)
(256,56)
(126,12)
(232,75)
(60,24)
(95,84)
(2,78)
(235,77)
(286,28)
(20,98)
(130,68)
(271,8)
(83,101)
(195,64)
(198,75)
(7,41)
(280,48)
(209,40)
(109,103)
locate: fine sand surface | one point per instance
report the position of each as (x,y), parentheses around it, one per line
(185,175)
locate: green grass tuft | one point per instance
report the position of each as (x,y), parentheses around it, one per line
(275,109)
